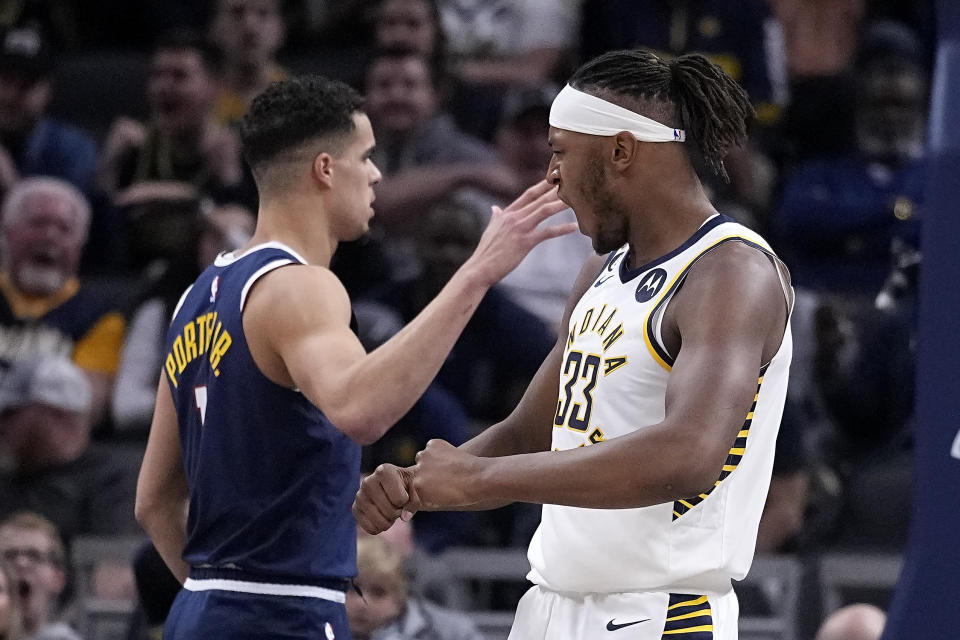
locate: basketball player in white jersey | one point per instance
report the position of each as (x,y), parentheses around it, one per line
(654,460)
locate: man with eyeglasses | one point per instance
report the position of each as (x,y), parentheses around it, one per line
(32,546)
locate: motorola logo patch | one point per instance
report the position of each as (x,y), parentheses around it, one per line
(650,284)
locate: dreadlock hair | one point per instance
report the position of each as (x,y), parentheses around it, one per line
(707,103)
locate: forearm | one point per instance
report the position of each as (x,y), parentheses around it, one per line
(626,472)
(380,388)
(508,438)
(166,524)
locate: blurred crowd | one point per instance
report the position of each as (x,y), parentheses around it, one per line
(121,177)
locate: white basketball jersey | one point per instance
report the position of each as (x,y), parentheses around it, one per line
(613,381)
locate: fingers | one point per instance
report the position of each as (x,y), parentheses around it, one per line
(544,210)
(413,504)
(533,192)
(555,231)
(381,498)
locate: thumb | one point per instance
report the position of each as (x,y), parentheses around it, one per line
(413,499)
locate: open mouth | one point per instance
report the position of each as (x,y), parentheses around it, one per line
(44,259)
(24,589)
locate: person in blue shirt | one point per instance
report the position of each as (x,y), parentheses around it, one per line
(266,393)
(32,143)
(838,216)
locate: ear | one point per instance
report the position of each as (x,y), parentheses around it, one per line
(623,150)
(323,169)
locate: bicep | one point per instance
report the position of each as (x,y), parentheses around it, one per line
(725,313)
(298,319)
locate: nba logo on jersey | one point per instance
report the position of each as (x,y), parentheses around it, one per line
(328,631)
(214,286)
(650,284)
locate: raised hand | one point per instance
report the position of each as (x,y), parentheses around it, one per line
(512,232)
(385,495)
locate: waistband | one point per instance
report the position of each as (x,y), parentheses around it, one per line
(206,579)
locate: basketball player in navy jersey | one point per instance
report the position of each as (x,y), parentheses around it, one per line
(648,433)
(266,393)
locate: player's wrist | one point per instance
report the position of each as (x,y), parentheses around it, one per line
(473,278)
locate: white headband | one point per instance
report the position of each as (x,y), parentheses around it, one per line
(574,110)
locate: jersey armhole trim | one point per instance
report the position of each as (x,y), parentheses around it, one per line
(180,302)
(651,328)
(259,273)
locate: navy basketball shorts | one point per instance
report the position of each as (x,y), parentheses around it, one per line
(232,615)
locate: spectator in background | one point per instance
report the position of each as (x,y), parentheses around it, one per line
(32,143)
(542,282)
(11,621)
(745,40)
(853,622)
(32,546)
(495,44)
(501,347)
(249,33)
(84,488)
(388,610)
(45,310)
(218,228)
(838,215)
(421,152)
(821,39)
(182,142)
(410,24)
(424,157)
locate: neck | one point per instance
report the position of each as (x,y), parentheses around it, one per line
(247,78)
(665,218)
(187,139)
(298,223)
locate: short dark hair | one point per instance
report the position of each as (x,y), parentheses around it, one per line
(182,39)
(706,102)
(293,111)
(434,63)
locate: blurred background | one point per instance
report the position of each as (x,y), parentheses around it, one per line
(121,179)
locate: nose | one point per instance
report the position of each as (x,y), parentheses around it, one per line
(553,173)
(376,176)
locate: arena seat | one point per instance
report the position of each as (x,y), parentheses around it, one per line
(101,618)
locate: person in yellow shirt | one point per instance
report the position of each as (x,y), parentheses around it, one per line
(249,33)
(45,309)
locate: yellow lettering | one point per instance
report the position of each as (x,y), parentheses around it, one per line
(613,337)
(171,367)
(612,364)
(603,327)
(190,338)
(220,348)
(599,315)
(202,334)
(587,317)
(179,354)
(211,320)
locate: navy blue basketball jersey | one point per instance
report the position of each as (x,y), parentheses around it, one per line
(271,480)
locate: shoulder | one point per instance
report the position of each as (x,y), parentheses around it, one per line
(735,267)
(302,292)
(732,284)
